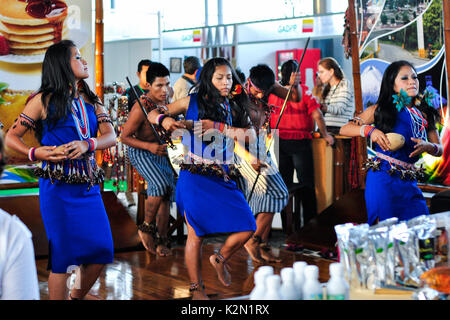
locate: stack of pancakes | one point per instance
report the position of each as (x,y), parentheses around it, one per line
(26,34)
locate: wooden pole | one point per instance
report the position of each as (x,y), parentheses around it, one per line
(99,49)
(361,142)
(99,74)
(446,17)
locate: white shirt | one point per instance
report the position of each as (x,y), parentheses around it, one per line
(181,89)
(18,276)
(340,104)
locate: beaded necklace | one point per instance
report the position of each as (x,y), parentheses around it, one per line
(80,118)
(418,123)
(226,106)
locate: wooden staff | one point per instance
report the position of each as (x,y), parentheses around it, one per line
(99,50)
(354,44)
(279,117)
(158,137)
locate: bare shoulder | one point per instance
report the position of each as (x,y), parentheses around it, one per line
(34,107)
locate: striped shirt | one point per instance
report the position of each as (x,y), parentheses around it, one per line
(340,104)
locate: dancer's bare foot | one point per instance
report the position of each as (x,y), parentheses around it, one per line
(198,291)
(147,234)
(218,262)
(253,250)
(147,241)
(266,253)
(163,251)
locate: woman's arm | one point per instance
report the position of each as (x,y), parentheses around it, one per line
(33,112)
(316,114)
(360,126)
(432,146)
(106,139)
(173,109)
(296,91)
(107,136)
(243,135)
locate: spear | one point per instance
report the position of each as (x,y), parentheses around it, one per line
(279,118)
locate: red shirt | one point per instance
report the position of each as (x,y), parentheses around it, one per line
(296,122)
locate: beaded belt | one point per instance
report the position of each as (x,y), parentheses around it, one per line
(393,160)
(80,171)
(406,171)
(209,167)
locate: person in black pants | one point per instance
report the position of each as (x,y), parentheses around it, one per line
(295,151)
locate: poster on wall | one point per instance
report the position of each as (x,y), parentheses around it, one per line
(27,29)
(411,30)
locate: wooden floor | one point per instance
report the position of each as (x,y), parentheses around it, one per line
(139,275)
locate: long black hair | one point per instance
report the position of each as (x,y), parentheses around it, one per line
(209,98)
(386,113)
(57,83)
(286,70)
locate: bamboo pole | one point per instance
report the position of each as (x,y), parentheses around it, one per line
(446,13)
(361,142)
(99,73)
(99,49)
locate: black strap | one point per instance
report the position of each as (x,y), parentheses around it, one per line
(188,80)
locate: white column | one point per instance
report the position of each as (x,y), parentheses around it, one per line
(420,38)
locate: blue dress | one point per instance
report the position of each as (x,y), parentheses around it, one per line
(211,204)
(74,216)
(388,195)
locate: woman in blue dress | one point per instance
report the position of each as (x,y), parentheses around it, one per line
(206,191)
(66,115)
(391,183)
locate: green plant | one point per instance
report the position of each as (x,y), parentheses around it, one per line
(3,86)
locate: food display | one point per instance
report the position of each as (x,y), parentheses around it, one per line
(31,26)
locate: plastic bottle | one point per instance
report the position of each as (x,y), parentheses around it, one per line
(299,269)
(288,290)
(337,286)
(273,284)
(312,289)
(259,291)
(266,269)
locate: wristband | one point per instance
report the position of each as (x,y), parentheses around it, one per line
(95,142)
(92,142)
(368,129)
(90,146)
(436,149)
(361,130)
(370,132)
(161,118)
(31,154)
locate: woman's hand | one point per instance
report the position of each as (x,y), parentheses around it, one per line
(204,125)
(158,149)
(77,148)
(329,139)
(170,124)
(294,79)
(51,153)
(380,138)
(421,147)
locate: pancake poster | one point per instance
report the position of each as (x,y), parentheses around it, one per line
(27,29)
